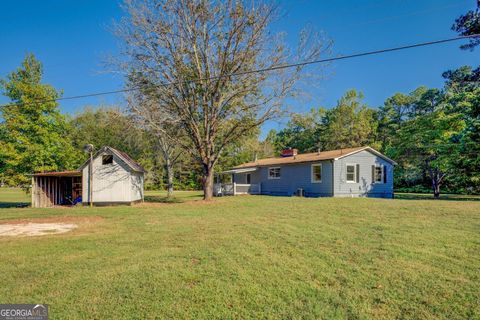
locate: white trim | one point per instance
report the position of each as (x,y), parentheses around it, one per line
(381,166)
(354,172)
(312,175)
(242,170)
(279,172)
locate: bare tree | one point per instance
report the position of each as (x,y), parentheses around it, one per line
(164,130)
(201,59)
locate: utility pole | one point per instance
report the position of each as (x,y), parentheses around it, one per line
(89,148)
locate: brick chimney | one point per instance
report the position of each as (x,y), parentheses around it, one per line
(289,152)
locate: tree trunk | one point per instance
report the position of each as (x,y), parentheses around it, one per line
(436,186)
(436,176)
(436,189)
(169,167)
(207,182)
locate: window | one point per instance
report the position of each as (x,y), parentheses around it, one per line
(107,159)
(274,173)
(377,174)
(352,173)
(249,178)
(316,173)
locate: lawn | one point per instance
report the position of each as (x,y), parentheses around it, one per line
(12,197)
(250,257)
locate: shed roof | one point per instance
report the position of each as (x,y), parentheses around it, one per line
(312,157)
(135,166)
(72,173)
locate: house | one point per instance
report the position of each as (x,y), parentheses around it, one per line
(116,179)
(352,172)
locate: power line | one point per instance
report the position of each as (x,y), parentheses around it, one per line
(285,66)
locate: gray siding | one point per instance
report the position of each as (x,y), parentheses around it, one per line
(333,183)
(292,177)
(364,187)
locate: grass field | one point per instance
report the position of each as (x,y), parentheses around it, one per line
(250,257)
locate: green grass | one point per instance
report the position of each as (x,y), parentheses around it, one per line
(251,257)
(13,197)
(429,196)
(178,196)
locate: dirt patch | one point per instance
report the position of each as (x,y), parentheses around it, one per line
(42,226)
(61,219)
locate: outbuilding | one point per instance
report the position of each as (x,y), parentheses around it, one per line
(116,179)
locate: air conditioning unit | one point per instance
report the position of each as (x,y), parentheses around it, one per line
(300,192)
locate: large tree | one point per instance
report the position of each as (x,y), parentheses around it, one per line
(304,131)
(426,142)
(200,60)
(34,134)
(402,107)
(351,123)
(422,130)
(164,130)
(108,126)
(463,96)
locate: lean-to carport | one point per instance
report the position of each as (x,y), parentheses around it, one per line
(56,188)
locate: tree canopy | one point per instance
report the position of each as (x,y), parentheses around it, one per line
(34,134)
(469,24)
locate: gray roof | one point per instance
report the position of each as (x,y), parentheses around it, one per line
(135,166)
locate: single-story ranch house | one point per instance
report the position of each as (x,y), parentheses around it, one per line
(352,172)
(116,179)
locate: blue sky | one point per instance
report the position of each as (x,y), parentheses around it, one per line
(72,38)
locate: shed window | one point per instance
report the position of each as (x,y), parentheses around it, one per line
(377,174)
(316,173)
(274,173)
(107,159)
(351,173)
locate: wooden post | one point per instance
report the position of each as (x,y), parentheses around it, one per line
(44,190)
(48,191)
(56,191)
(33,192)
(39,192)
(234,188)
(90,171)
(40,180)
(42,186)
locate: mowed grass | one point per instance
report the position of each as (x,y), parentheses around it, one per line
(250,257)
(12,197)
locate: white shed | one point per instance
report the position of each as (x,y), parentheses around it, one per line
(116,178)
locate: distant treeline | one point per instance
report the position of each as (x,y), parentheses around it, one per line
(433,134)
